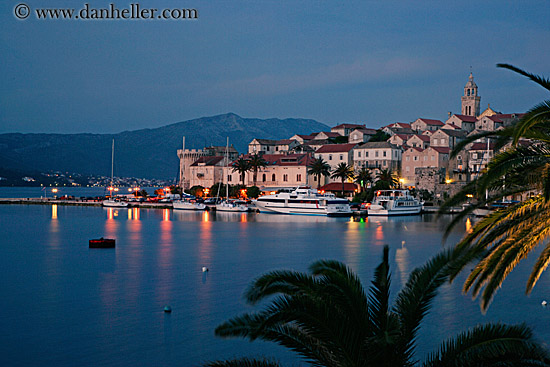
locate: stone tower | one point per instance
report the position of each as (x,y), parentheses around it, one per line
(470,99)
(187,157)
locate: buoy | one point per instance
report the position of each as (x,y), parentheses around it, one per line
(544,303)
(167,309)
(204,269)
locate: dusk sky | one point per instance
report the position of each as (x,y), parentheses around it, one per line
(372,62)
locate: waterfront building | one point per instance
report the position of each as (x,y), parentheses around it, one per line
(377,155)
(421,124)
(268,146)
(346,129)
(419,141)
(283,171)
(206,171)
(334,154)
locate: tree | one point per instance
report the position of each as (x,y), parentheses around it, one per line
(379,136)
(386,180)
(327,318)
(242,166)
(363,178)
(176,190)
(500,241)
(319,168)
(344,172)
(253,192)
(256,162)
(196,190)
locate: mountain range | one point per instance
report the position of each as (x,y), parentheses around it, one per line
(145,153)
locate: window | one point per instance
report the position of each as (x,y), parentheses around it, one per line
(341,157)
(298,177)
(359,154)
(384,163)
(366,154)
(432,157)
(315,178)
(229,178)
(376,154)
(263,177)
(425,158)
(408,158)
(415,158)
(273,177)
(276,149)
(407,168)
(285,177)
(330,157)
(384,153)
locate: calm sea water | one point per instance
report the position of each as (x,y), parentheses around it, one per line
(63,304)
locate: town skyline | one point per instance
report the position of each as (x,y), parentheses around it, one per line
(368,63)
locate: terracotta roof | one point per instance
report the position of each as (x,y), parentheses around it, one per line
(376,144)
(366,131)
(208,161)
(337,186)
(403,125)
(421,137)
(297,159)
(266,141)
(467,118)
(335,148)
(306,137)
(283,141)
(416,148)
(330,134)
(432,122)
(494,118)
(403,136)
(444,150)
(348,126)
(453,126)
(455,133)
(509,115)
(482,146)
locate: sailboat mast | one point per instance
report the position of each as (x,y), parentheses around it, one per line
(227,174)
(112,161)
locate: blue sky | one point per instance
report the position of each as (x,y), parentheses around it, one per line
(372,62)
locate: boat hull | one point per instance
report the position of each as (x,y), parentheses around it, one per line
(188,206)
(392,212)
(102,243)
(114,204)
(267,207)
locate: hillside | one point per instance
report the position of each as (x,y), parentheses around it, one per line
(148,153)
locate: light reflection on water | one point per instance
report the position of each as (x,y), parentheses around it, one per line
(64,304)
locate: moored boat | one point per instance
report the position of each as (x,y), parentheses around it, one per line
(303,200)
(114,203)
(231,206)
(102,243)
(394,202)
(188,204)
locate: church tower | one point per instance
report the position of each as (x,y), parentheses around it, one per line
(470,99)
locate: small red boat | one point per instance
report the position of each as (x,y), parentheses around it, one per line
(102,243)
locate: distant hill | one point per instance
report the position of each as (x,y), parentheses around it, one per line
(147,153)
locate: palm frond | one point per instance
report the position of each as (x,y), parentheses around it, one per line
(280,281)
(543,82)
(540,114)
(244,362)
(491,345)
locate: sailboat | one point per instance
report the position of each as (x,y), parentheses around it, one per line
(111,202)
(226,205)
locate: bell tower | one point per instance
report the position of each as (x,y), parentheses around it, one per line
(470,99)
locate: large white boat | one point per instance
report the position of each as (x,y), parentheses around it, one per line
(188,204)
(114,203)
(303,200)
(394,202)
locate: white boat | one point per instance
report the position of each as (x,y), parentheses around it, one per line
(303,200)
(188,204)
(394,202)
(231,206)
(113,202)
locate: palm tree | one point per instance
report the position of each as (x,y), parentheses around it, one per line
(500,241)
(386,180)
(242,166)
(319,168)
(363,178)
(255,162)
(328,319)
(344,172)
